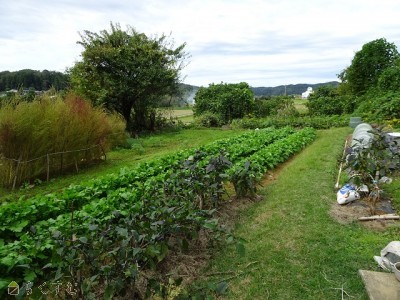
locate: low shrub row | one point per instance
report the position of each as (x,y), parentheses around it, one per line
(317,122)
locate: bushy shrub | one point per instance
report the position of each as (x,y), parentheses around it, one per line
(390,79)
(48,125)
(266,106)
(274,105)
(380,107)
(208,119)
(328,101)
(227,101)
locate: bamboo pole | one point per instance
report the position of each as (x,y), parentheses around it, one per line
(341,166)
(380,217)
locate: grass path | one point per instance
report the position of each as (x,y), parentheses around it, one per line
(294,249)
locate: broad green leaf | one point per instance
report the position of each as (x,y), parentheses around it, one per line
(18,226)
(109,292)
(29,275)
(221,288)
(122,231)
(93,227)
(240,249)
(56,234)
(83,239)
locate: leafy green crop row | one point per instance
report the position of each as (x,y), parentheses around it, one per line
(278,152)
(141,209)
(245,173)
(27,212)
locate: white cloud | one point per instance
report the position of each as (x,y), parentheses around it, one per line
(263,42)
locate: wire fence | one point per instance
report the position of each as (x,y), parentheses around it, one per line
(14,172)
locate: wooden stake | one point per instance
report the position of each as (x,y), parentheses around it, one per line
(104,153)
(16,173)
(76,166)
(341,166)
(380,217)
(48,167)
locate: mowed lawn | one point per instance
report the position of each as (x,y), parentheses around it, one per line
(295,249)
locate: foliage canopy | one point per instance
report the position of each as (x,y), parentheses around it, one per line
(274,105)
(368,64)
(228,101)
(128,71)
(328,101)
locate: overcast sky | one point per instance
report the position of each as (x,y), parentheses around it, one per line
(262,42)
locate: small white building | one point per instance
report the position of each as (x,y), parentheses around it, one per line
(306,93)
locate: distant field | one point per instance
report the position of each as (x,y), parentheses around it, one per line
(300,105)
(183,114)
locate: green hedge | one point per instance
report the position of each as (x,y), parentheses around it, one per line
(317,122)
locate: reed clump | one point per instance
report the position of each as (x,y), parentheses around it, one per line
(52,134)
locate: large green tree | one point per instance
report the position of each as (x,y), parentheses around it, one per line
(368,64)
(128,72)
(390,79)
(226,100)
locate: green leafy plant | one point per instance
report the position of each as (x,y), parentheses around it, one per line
(244,180)
(370,164)
(172,196)
(208,119)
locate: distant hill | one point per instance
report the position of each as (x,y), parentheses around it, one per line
(187,93)
(291,89)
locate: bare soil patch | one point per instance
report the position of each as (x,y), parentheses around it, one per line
(349,213)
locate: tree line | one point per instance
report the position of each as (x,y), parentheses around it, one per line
(290,89)
(33,79)
(369,88)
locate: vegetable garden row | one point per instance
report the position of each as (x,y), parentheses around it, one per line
(106,232)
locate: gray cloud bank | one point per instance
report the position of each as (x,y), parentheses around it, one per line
(264,43)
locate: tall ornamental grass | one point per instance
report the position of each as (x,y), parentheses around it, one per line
(49,135)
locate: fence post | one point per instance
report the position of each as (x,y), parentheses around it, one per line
(76,165)
(16,173)
(48,167)
(104,153)
(61,162)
